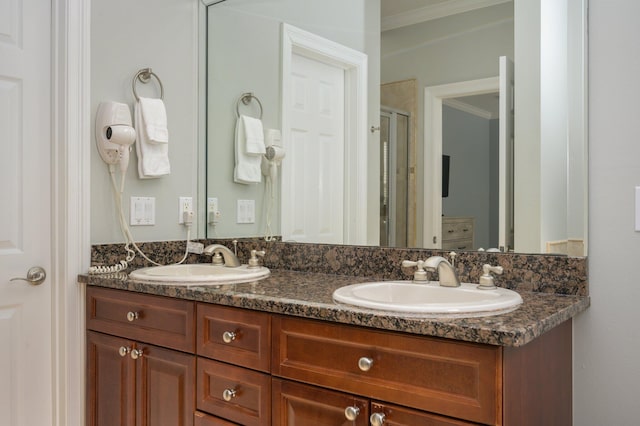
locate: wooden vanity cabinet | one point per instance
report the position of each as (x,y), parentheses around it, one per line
(135,382)
(257,368)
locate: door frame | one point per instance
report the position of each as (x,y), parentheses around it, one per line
(70,180)
(433,100)
(354,64)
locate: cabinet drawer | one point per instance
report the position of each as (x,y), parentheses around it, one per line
(151,319)
(202,419)
(236,336)
(251,403)
(296,404)
(456,229)
(400,416)
(457,244)
(446,377)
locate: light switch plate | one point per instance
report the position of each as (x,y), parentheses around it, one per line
(142,211)
(246,211)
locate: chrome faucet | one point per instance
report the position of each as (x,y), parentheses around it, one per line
(446,272)
(215,250)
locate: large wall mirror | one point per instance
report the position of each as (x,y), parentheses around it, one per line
(438,123)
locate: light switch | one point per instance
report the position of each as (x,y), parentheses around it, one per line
(246,211)
(142,211)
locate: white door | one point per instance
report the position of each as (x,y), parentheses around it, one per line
(313,171)
(505,186)
(25,203)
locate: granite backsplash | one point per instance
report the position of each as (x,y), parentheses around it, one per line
(524,272)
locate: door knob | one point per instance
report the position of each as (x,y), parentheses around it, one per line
(35,276)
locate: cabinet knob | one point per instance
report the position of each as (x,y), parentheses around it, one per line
(136,353)
(351,413)
(228,336)
(123,351)
(377,419)
(229,394)
(365,363)
(132,316)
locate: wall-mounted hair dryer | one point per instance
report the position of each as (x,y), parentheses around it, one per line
(114,133)
(274,153)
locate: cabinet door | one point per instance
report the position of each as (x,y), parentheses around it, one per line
(165,382)
(295,404)
(400,416)
(110,381)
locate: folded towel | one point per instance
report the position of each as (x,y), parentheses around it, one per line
(254,135)
(152,138)
(249,147)
(154,116)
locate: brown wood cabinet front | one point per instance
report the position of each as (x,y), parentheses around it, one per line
(111,382)
(236,336)
(156,389)
(295,404)
(451,378)
(158,320)
(234,393)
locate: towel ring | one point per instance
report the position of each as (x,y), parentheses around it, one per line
(246,98)
(144,75)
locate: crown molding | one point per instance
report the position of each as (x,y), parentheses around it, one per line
(435,11)
(468,108)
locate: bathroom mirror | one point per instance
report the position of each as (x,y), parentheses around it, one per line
(245,55)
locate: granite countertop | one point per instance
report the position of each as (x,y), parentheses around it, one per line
(308,295)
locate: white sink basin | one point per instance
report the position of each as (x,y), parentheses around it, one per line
(199,273)
(427,298)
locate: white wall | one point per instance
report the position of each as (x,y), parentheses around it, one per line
(607,335)
(125,37)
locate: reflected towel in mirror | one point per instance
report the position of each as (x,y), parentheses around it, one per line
(249,147)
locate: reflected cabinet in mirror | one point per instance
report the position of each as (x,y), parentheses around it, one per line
(399,123)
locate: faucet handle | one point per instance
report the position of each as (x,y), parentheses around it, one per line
(253,261)
(420,274)
(486,279)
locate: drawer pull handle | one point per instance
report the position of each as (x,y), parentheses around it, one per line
(365,363)
(450,231)
(465,230)
(136,353)
(351,413)
(123,351)
(228,394)
(377,419)
(132,316)
(228,336)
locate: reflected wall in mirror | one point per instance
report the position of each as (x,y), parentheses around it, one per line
(433,45)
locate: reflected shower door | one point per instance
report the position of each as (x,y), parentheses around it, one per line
(394,142)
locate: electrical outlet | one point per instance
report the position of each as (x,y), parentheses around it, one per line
(186,205)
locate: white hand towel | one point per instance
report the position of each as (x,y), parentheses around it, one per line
(153,155)
(254,135)
(249,147)
(154,116)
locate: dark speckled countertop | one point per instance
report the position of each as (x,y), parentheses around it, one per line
(308,294)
